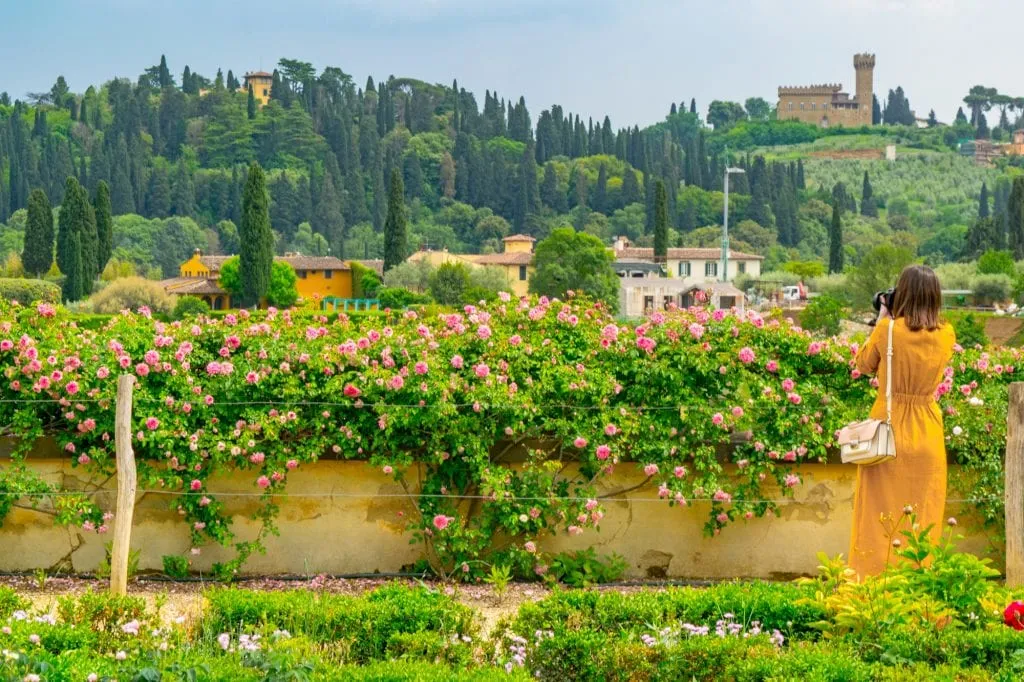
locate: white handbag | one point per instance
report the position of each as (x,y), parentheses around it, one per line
(872,441)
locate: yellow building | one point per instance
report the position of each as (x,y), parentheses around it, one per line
(827,105)
(516,261)
(260,82)
(318,278)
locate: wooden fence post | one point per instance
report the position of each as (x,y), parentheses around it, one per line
(1014,500)
(126,483)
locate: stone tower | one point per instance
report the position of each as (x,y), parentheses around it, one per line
(864,65)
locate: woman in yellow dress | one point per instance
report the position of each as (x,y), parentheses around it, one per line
(922,349)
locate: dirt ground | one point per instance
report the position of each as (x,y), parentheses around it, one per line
(185,599)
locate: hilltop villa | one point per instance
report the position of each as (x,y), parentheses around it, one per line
(516,261)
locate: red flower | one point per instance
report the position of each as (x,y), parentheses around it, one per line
(1014,615)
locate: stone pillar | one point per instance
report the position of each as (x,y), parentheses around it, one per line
(864,65)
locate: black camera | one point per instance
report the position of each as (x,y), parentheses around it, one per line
(881,298)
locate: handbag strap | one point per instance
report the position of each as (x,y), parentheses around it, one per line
(888,376)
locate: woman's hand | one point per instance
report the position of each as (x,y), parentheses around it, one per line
(883,312)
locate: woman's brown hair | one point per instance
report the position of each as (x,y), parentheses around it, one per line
(918,298)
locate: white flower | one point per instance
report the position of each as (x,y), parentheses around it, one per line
(120,655)
(224,639)
(93,677)
(131,627)
(976,402)
(957,430)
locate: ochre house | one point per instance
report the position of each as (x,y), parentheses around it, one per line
(260,82)
(516,261)
(320,278)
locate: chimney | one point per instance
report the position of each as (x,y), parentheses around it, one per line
(621,242)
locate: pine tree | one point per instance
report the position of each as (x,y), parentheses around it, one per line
(251,104)
(983,211)
(868,207)
(660,223)
(256,239)
(1015,218)
(876,111)
(693,105)
(961,118)
(164,74)
(835,239)
(395,237)
(104,226)
(37,257)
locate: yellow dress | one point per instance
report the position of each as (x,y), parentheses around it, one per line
(917,476)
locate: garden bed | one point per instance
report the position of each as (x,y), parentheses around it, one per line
(940,618)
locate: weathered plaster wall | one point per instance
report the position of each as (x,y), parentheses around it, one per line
(346,523)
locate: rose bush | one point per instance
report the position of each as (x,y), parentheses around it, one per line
(442,400)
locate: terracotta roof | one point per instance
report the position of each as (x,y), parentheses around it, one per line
(314,262)
(214,262)
(683,254)
(376,265)
(183,286)
(519,238)
(259,74)
(505,259)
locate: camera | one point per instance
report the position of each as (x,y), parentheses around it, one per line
(881,298)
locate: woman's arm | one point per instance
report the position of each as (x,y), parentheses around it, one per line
(869,355)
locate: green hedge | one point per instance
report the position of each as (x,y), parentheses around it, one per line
(376,624)
(26,291)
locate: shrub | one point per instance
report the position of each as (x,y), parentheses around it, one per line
(398,298)
(823,314)
(27,291)
(834,286)
(282,291)
(10,601)
(365,281)
(997,263)
(189,306)
(969,328)
(412,274)
(132,293)
(989,289)
(448,283)
(175,566)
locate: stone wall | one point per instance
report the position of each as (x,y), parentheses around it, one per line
(346,517)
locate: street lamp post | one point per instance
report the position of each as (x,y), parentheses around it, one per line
(725,225)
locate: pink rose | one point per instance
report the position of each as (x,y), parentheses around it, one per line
(196,484)
(580,442)
(441,521)
(746,355)
(152,423)
(650,469)
(263,482)
(603,452)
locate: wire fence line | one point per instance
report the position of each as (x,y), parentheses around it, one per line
(515,498)
(350,404)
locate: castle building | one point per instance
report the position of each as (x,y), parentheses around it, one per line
(827,105)
(260,82)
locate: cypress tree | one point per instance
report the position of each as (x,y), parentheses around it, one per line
(800,182)
(835,239)
(69,240)
(660,223)
(983,211)
(380,203)
(868,206)
(164,74)
(89,240)
(38,254)
(255,237)
(183,193)
(251,104)
(549,188)
(395,237)
(650,208)
(630,187)
(601,190)
(1015,218)
(982,236)
(232,82)
(876,111)
(158,198)
(104,226)
(328,218)
(693,105)
(760,192)
(412,174)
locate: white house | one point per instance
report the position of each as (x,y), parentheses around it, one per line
(696,266)
(643,293)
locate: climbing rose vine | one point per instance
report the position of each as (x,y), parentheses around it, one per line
(500,421)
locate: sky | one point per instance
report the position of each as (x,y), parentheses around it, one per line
(629,59)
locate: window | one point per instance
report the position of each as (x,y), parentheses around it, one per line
(814,105)
(328,274)
(266,93)
(301,274)
(522,273)
(711,269)
(791,106)
(648,304)
(742,266)
(801,106)
(668,301)
(684,268)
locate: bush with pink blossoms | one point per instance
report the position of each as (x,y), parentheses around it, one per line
(426,389)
